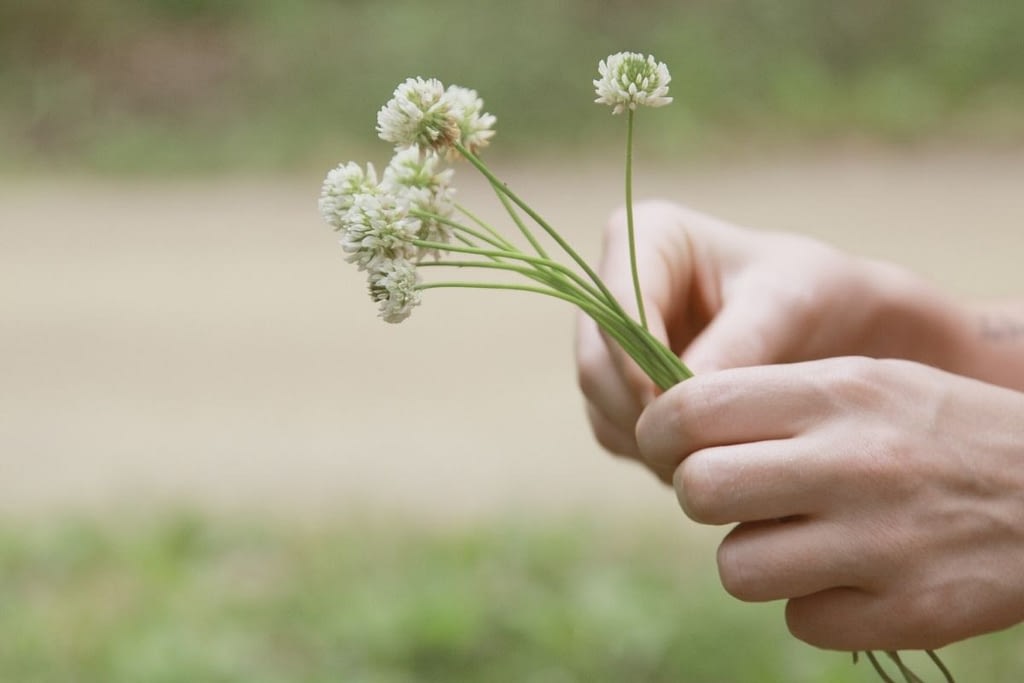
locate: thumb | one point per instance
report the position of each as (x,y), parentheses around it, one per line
(748,331)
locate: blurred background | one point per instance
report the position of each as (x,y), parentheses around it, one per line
(216,463)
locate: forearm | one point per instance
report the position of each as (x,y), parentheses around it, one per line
(993,334)
(919,322)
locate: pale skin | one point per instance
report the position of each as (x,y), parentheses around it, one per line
(863,430)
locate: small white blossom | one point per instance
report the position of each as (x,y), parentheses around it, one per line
(411,168)
(393,286)
(476,127)
(419,114)
(416,179)
(629,79)
(341,186)
(378,229)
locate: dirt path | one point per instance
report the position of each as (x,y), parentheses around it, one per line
(202,343)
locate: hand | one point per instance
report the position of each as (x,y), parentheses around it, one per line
(725,296)
(883,499)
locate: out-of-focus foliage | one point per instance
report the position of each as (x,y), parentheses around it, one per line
(187,84)
(193,600)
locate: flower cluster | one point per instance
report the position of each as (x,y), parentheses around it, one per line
(390,225)
(628,80)
(424,114)
(395,224)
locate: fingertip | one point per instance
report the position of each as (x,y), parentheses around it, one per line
(657,435)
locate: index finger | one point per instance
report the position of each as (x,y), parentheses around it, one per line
(728,407)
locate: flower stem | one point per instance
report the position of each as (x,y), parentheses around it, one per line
(489,237)
(519,222)
(540,262)
(878,667)
(566,247)
(644,349)
(483,224)
(629,220)
(940,665)
(908,675)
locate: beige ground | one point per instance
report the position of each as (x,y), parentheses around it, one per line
(203,343)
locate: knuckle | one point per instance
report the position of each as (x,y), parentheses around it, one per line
(857,382)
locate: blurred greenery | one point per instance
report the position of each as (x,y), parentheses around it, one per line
(188,599)
(127,85)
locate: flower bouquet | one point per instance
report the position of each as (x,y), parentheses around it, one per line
(406,221)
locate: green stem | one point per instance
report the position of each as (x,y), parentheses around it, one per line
(497,241)
(552,278)
(620,329)
(558,282)
(566,247)
(947,674)
(582,295)
(652,352)
(629,220)
(483,224)
(542,263)
(878,667)
(663,366)
(527,233)
(908,675)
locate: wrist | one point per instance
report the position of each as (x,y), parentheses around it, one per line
(914,320)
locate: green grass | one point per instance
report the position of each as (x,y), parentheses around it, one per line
(190,600)
(126,85)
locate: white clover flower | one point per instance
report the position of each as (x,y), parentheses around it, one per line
(415,179)
(421,114)
(628,79)
(476,128)
(378,229)
(393,286)
(411,168)
(340,188)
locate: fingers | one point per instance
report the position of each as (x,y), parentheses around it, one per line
(613,405)
(612,438)
(842,618)
(773,560)
(758,481)
(734,406)
(855,620)
(748,330)
(615,387)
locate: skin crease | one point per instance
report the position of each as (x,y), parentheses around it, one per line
(862,431)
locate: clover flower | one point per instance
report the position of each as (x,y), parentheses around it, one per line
(629,79)
(476,128)
(378,229)
(420,113)
(340,188)
(414,178)
(393,286)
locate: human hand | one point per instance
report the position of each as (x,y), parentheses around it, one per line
(724,296)
(884,499)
